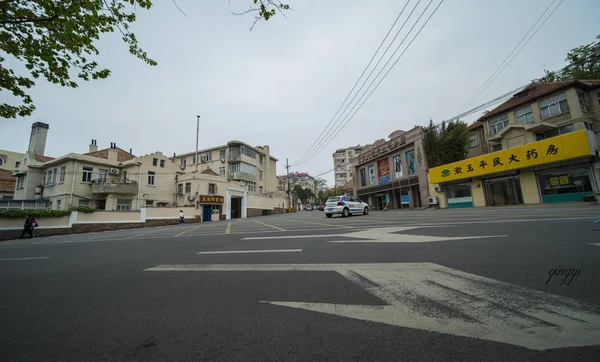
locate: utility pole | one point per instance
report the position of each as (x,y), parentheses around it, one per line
(287,176)
(197,132)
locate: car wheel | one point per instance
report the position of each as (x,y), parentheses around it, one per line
(366,211)
(328,215)
(346,212)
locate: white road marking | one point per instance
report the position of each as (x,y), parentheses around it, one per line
(251,251)
(381,235)
(435,298)
(30,258)
(597,244)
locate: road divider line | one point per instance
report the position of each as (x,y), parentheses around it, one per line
(228,230)
(292,237)
(597,244)
(142,234)
(28,258)
(269,225)
(250,251)
(188,230)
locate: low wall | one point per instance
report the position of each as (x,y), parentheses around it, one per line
(265,202)
(46,223)
(169,212)
(104,217)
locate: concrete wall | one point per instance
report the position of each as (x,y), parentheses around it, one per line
(45,223)
(108,217)
(478,193)
(265,202)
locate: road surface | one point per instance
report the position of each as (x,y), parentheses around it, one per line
(512,283)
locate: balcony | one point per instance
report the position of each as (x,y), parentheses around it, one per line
(241,176)
(129,188)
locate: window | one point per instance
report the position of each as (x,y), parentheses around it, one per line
(589,126)
(182,160)
(83,202)
(261,159)
(162,163)
(87,174)
(222,171)
(473,140)
(212,188)
(340,160)
(1,161)
(340,175)
(180,189)
(151,176)
(193,159)
(222,154)
(251,185)
(154,162)
(17,164)
(260,189)
(124,176)
(123,204)
(554,106)
(149,203)
(498,124)
(496,148)
(188,187)
(206,157)
(565,182)
(43,178)
(234,167)
(260,175)
(243,167)
(524,115)
(566,129)
(582,101)
(20,182)
(248,152)
(63,171)
(58,204)
(102,175)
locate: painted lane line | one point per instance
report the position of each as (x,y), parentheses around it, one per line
(438,299)
(269,225)
(228,230)
(322,224)
(597,244)
(188,230)
(29,258)
(292,237)
(251,251)
(406,238)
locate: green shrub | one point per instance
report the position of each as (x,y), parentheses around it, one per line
(22,214)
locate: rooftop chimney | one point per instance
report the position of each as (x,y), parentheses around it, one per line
(131,151)
(93,146)
(37,140)
(112,152)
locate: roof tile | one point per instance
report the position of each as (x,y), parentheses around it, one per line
(122,155)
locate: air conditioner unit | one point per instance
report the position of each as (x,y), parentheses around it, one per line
(433,200)
(223,160)
(115,171)
(191,197)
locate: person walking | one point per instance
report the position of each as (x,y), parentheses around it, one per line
(181,218)
(28,227)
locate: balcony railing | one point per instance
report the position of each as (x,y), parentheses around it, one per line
(108,187)
(241,176)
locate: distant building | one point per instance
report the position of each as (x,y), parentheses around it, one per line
(478,144)
(303,179)
(392,173)
(341,164)
(10,160)
(7,184)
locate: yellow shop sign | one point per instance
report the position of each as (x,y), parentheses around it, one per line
(570,145)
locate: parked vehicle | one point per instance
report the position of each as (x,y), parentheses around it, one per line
(346,206)
(321,207)
(308,208)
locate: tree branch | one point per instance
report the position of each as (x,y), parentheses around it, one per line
(21,21)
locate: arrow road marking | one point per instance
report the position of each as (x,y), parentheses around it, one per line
(435,298)
(380,235)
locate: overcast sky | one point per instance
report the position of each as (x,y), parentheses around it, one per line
(280,84)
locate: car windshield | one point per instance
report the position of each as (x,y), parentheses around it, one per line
(333,199)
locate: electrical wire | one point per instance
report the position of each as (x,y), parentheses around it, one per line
(508,58)
(348,119)
(355,84)
(337,122)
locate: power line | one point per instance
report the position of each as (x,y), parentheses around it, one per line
(347,120)
(508,58)
(355,84)
(328,132)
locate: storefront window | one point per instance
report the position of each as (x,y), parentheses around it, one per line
(565,186)
(459,195)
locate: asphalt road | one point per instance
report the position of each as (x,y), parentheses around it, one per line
(471,284)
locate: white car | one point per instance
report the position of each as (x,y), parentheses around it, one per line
(345,205)
(308,208)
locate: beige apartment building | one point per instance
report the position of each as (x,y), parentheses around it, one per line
(116,180)
(342,166)
(478,144)
(542,149)
(392,173)
(10,160)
